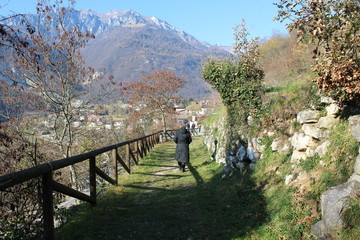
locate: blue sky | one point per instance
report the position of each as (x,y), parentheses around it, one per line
(207,20)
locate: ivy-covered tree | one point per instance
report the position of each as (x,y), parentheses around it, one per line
(238,79)
(334,27)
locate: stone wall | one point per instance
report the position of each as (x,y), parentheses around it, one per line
(309,141)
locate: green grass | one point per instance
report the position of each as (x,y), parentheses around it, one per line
(157,201)
(214,117)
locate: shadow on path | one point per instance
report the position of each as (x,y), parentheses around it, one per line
(158,201)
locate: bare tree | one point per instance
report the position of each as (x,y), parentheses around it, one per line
(155,94)
(46,62)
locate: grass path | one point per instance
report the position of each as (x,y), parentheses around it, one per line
(158,201)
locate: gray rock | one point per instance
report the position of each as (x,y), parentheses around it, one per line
(319,230)
(285,148)
(332,109)
(297,156)
(357,165)
(256,142)
(230,159)
(326,100)
(321,150)
(240,165)
(241,153)
(251,154)
(300,141)
(327,122)
(354,177)
(281,145)
(276,144)
(313,131)
(310,152)
(308,116)
(354,122)
(221,160)
(333,203)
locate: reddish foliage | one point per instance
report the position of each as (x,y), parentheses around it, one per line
(154,95)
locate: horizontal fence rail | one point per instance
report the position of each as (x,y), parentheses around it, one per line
(135,149)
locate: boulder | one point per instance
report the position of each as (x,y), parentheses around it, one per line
(332,109)
(252,154)
(297,156)
(354,122)
(310,152)
(334,202)
(319,230)
(256,142)
(221,160)
(300,141)
(230,159)
(357,165)
(321,150)
(326,100)
(281,145)
(327,122)
(313,131)
(240,165)
(354,177)
(308,116)
(241,153)
(276,144)
(285,148)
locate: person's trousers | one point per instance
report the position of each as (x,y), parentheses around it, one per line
(182,166)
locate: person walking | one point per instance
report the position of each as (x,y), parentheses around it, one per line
(193,127)
(182,139)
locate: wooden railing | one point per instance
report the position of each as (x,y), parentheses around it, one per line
(135,149)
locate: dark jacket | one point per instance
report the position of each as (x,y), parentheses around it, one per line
(182,139)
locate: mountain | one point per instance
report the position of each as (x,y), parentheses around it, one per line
(128,45)
(97,23)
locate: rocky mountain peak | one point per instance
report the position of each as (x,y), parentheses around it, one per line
(129,45)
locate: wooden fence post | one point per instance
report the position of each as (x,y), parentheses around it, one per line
(140,149)
(48,208)
(152,141)
(137,155)
(114,165)
(128,156)
(143,146)
(147,144)
(92,170)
